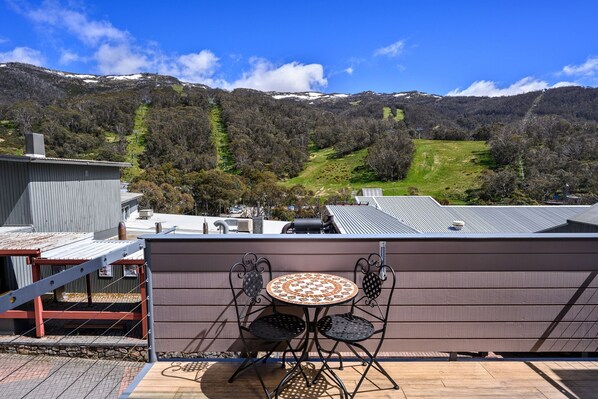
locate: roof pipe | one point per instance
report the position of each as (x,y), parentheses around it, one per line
(221,224)
(285,228)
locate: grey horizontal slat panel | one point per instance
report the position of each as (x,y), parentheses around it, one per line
(557,279)
(462,330)
(474,296)
(223,262)
(492,246)
(441,281)
(263,247)
(549,313)
(493,262)
(492,279)
(180,262)
(404,345)
(210,279)
(315,245)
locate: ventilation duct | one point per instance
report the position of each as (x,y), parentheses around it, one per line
(34,145)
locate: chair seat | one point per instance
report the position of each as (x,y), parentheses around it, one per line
(345,327)
(277,327)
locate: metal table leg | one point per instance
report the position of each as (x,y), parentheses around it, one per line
(325,367)
(304,356)
(311,327)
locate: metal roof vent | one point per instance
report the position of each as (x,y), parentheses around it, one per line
(458,224)
(34,145)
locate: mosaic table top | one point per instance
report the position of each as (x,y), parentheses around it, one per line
(312,289)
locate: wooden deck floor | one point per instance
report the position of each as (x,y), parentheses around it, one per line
(417,379)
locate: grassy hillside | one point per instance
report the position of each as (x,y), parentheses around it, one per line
(136,143)
(387,113)
(220,137)
(11,143)
(442,169)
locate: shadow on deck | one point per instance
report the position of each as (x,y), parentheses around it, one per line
(417,379)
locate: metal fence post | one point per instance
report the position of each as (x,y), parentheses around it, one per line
(151,345)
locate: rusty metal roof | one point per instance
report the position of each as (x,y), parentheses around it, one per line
(80,252)
(33,243)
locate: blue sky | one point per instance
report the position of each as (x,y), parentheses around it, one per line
(443,47)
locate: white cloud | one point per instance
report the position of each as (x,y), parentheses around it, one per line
(588,68)
(198,66)
(564,84)
(115,51)
(89,32)
(350,70)
(291,77)
(3,40)
(67,57)
(392,50)
(120,60)
(23,54)
(487,88)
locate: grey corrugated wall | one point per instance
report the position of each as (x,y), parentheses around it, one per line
(22,270)
(15,206)
(76,198)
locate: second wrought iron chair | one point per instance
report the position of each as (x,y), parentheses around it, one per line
(257,314)
(370,274)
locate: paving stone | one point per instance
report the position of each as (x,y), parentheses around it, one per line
(53,377)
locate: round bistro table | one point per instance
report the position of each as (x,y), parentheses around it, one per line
(311,290)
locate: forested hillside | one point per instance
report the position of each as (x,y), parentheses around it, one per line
(185,138)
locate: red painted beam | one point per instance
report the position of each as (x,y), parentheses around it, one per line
(38,307)
(137,262)
(58,262)
(71,314)
(19,252)
(143,292)
(74,262)
(17,314)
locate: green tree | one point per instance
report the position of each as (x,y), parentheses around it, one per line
(215,191)
(391,156)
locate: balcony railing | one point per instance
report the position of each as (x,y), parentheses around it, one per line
(480,293)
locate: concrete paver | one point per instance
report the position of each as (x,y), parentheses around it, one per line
(52,377)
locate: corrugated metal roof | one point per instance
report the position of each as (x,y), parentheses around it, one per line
(589,216)
(361,219)
(21,158)
(126,196)
(15,229)
(371,192)
(428,216)
(84,250)
(139,255)
(39,241)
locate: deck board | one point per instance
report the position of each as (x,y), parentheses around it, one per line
(417,379)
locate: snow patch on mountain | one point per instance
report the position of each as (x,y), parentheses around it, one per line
(136,76)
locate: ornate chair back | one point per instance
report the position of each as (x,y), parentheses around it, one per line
(246,280)
(377,283)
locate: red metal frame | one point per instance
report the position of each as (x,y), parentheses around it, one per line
(39,314)
(71,314)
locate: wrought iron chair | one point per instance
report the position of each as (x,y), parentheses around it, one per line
(352,329)
(271,327)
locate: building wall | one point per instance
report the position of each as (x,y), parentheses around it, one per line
(127,285)
(15,206)
(75,198)
(533,293)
